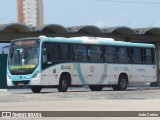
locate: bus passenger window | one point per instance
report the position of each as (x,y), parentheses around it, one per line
(137,55)
(64,52)
(148,56)
(153,56)
(79,53)
(122,55)
(94,54)
(110,54)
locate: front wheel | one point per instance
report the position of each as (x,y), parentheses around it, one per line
(95,87)
(63,84)
(36,89)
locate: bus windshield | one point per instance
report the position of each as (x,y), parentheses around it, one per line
(23,56)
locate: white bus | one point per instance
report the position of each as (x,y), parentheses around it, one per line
(64,62)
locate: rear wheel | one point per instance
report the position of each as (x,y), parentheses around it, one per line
(63,84)
(95,87)
(36,89)
(122,83)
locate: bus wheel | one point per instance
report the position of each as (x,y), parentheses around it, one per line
(122,83)
(36,89)
(63,84)
(95,87)
(115,87)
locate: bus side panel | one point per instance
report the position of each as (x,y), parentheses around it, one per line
(114,71)
(80,73)
(90,73)
(77,76)
(50,78)
(137,76)
(51,75)
(112,74)
(93,73)
(150,74)
(99,73)
(85,73)
(73,69)
(142,74)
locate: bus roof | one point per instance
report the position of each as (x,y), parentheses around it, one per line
(90,40)
(96,41)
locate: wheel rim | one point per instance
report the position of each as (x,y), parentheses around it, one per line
(123,83)
(64,83)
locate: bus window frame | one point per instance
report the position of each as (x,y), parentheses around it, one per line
(102,48)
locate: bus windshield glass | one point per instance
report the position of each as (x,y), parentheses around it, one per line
(23,56)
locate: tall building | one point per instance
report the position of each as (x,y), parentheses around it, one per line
(30,12)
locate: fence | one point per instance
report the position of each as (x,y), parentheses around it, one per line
(3,67)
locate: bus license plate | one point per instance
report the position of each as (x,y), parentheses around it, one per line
(20,84)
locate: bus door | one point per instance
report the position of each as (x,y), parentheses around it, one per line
(49,58)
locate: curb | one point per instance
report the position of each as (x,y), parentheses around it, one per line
(3,90)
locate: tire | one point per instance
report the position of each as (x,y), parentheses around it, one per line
(115,87)
(95,87)
(122,83)
(63,84)
(36,89)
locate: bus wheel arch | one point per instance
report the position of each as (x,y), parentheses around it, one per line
(96,87)
(64,82)
(122,82)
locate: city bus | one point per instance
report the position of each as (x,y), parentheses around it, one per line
(41,62)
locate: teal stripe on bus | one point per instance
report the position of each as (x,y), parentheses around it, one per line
(80,75)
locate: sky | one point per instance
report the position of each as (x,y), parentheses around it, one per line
(101,13)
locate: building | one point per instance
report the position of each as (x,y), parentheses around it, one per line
(30,12)
(12,31)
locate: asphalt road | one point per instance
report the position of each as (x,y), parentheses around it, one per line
(82,99)
(78,94)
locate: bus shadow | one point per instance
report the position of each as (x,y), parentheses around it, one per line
(54,91)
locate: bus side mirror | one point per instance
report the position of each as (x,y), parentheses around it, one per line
(44,51)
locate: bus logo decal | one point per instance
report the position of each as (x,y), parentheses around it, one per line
(92,68)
